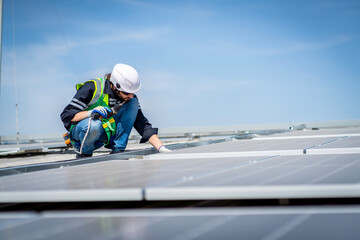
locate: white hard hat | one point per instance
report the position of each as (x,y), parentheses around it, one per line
(125,78)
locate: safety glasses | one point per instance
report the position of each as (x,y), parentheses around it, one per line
(118,87)
(126,93)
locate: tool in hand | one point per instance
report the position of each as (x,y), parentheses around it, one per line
(95,114)
(98,113)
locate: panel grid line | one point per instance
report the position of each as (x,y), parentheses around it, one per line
(296,170)
(287,227)
(256,172)
(333,172)
(228,169)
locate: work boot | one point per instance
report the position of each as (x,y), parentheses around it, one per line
(78,155)
(116,151)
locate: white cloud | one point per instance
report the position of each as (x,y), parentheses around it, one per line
(159,80)
(248,49)
(301,46)
(46,75)
(43,76)
(170,98)
(189,9)
(143,4)
(120,35)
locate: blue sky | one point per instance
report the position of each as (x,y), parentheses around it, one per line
(202,63)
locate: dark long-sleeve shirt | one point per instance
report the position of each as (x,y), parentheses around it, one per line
(84,95)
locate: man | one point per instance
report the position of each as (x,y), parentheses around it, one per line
(103,112)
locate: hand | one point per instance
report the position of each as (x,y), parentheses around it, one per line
(102,111)
(163,149)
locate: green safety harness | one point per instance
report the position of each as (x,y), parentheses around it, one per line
(99,99)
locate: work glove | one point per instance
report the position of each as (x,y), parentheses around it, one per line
(163,149)
(99,111)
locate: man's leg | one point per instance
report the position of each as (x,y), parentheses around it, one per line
(94,139)
(125,120)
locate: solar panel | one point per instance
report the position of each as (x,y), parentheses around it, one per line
(296,165)
(260,145)
(216,223)
(245,169)
(346,142)
(320,132)
(119,180)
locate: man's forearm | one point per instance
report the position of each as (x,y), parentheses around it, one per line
(80,116)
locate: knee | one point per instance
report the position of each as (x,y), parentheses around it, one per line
(95,125)
(95,129)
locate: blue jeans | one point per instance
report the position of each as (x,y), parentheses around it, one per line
(96,137)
